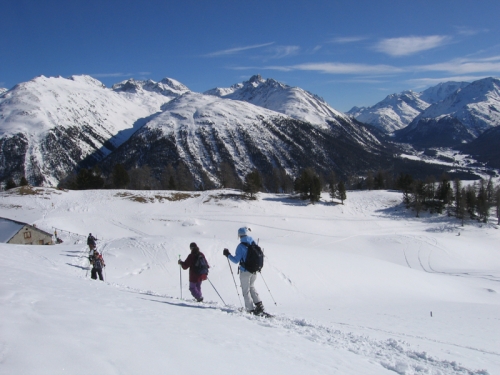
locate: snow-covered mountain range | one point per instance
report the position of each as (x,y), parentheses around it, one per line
(202,131)
(276,96)
(465,114)
(397,111)
(50,126)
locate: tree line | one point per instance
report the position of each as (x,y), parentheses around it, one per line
(474,201)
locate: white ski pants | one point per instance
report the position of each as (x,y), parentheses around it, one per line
(250,295)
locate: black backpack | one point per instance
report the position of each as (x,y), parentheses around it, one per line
(255,258)
(200,265)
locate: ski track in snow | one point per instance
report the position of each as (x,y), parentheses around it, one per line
(394,355)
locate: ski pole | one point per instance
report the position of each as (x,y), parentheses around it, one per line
(216,291)
(234,282)
(268,288)
(180,275)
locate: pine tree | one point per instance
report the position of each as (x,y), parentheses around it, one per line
(10,184)
(332,185)
(341,192)
(253,184)
(23,182)
(308,185)
(497,204)
(120,177)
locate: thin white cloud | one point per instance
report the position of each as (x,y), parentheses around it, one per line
(465,66)
(106,75)
(410,45)
(232,51)
(280,52)
(467,31)
(330,68)
(348,39)
(343,68)
(423,82)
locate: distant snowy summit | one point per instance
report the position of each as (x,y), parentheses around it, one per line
(458,118)
(397,111)
(276,96)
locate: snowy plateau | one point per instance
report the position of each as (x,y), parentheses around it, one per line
(363,288)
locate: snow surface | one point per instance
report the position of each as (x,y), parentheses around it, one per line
(8,229)
(354,287)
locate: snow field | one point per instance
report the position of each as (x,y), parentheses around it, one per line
(354,286)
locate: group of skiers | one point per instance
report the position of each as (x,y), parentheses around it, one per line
(198,269)
(95,258)
(253,303)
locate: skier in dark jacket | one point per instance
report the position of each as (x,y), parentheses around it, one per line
(97,266)
(195,279)
(91,242)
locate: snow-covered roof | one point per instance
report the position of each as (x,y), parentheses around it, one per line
(8,229)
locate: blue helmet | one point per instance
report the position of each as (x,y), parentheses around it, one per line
(243,231)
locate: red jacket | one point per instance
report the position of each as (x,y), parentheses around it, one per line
(189,262)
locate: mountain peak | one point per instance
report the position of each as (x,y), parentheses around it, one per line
(256,78)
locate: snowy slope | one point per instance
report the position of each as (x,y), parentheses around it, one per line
(397,111)
(292,101)
(354,287)
(2,90)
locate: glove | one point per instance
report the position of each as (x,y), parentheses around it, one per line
(225,252)
(179,261)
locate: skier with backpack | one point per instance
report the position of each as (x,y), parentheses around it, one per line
(198,270)
(251,259)
(91,242)
(97,266)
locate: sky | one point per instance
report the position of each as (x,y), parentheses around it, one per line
(349,53)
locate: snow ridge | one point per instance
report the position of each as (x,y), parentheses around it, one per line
(397,111)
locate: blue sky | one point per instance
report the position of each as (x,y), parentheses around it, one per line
(348,52)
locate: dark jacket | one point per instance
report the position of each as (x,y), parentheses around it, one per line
(189,263)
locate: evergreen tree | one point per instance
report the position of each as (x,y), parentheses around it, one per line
(404,183)
(482,205)
(332,185)
(23,182)
(120,176)
(10,184)
(418,196)
(470,199)
(89,179)
(462,207)
(497,204)
(308,185)
(457,188)
(253,184)
(369,181)
(341,192)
